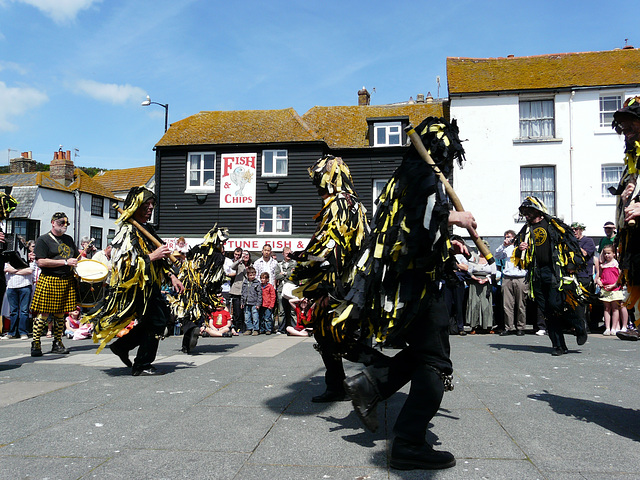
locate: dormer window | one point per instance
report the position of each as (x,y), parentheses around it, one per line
(387,131)
(387,134)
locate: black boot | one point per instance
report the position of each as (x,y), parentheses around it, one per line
(330,396)
(122,354)
(36,349)
(410,456)
(58,347)
(364,397)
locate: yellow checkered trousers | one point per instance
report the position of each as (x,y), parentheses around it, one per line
(55,295)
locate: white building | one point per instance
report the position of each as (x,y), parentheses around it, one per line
(67,189)
(540,126)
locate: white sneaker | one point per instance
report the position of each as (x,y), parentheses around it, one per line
(541,332)
(607,332)
(613,332)
(24,337)
(623,329)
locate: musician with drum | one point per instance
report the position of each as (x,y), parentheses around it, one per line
(56,294)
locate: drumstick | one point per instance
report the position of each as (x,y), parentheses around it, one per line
(88,245)
(144,231)
(417,142)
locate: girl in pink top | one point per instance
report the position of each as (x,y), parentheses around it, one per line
(611,294)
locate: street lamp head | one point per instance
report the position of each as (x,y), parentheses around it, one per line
(147,102)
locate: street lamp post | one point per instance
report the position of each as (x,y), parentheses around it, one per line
(148,102)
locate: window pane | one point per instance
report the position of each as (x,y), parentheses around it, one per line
(194,162)
(282,212)
(209,162)
(281,165)
(194,178)
(267,161)
(208,177)
(266,213)
(282,226)
(381,137)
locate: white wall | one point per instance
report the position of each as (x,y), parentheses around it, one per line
(489,182)
(48,202)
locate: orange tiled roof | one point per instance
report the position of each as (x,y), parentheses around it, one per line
(86,184)
(82,182)
(587,69)
(241,126)
(124,179)
(346,127)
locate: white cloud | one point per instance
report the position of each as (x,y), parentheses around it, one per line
(60,10)
(110,92)
(16,101)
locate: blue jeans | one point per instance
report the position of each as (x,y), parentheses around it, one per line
(266,319)
(251,320)
(18,299)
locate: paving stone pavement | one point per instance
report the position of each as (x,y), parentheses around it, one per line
(239,408)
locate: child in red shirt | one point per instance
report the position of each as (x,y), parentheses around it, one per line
(219,324)
(268,302)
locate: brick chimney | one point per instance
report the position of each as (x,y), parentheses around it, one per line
(364,98)
(23,164)
(62,167)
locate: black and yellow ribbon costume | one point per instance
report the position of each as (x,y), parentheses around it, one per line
(407,251)
(202,274)
(566,256)
(132,276)
(341,229)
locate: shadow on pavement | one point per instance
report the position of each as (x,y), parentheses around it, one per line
(620,420)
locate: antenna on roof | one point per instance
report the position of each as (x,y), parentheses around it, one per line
(76,153)
(438,82)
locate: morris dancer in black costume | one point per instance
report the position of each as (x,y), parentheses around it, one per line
(139,268)
(397,296)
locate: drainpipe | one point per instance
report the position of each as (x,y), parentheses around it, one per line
(571,219)
(76,214)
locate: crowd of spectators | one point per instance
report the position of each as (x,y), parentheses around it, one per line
(488,298)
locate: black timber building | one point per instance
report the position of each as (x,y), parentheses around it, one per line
(206,163)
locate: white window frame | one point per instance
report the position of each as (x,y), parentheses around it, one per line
(604,184)
(277,156)
(528,122)
(201,170)
(545,189)
(273,219)
(378,188)
(606,111)
(389,128)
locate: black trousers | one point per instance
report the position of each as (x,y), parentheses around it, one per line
(146,334)
(551,304)
(422,362)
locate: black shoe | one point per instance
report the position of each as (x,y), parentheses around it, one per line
(628,335)
(506,332)
(121,354)
(557,351)
(36,351)
(408,456)
(520,333)
(145,371)
(365,398)
(582,337)
(330,396)
(58,347)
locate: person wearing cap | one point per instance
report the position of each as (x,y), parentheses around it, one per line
(139,269)
(585,275)
(549,250)
(610,236)
(56,255)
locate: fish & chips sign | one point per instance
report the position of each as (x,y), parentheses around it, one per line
(238,180)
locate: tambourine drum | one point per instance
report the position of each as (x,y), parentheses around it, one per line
(91,275)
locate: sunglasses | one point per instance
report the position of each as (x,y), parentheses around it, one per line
(62,223)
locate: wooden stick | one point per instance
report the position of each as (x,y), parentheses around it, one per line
(144,231)
(457,204)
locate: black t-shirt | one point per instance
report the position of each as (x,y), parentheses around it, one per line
(56,248)
(540,238)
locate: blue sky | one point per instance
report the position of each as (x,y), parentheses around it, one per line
(74,72)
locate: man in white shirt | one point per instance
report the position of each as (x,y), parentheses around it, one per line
(514,288)
(266,264)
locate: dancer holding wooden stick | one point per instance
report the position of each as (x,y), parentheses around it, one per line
(139,266)
(397,296)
